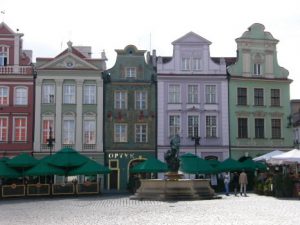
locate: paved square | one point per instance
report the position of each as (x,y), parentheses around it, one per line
(118,209)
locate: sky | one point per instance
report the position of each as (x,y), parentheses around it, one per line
(153,24)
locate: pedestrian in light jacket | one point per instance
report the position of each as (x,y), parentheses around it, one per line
(243,180)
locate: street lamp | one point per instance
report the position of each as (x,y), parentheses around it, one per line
(197,142)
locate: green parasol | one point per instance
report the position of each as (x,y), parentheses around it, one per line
(151,165)
(90,167)
(229,165)
(22,161)
(8,172)
(44,169)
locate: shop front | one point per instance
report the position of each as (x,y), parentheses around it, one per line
(120,164)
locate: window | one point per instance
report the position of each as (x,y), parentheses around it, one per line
(257,69)
(69,131)
(196,63)
(276,128)
(186,64)
(211,126)
(48,92)
(141,100)
(174,93)
(69,94)
(89,131)
(242,96)
(20,129)
(3,56)
(21,96)
(47,123)
(210,93)
(259,128)
(3,129)
(192,93)
(89,94)
(4,95)
(120,100)
(120,134)
(242,128)
(193,126)
(141,133)
(131,72)
(174,125)
(275,97)
(258,96)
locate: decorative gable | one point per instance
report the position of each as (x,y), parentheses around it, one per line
(4,29)
(191,38)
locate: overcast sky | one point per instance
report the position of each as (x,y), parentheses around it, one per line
(154,24)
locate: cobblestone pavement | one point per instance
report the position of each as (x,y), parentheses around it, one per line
(117,209)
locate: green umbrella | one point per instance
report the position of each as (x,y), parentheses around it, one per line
(229,165)
(67,157)
(151,165)
(8,172)
(195,165)
(251,165)
(4,159)
(22,161)
(213,162)
(91,167)
(44,169)
(188,155)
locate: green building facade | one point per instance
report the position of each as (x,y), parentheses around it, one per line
(259,110)
(129,114)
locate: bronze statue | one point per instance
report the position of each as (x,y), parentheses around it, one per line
(172,156)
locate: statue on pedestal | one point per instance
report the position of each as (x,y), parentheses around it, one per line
(172,156)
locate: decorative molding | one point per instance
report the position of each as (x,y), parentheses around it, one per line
(243,113)
(276,114)
(259,114)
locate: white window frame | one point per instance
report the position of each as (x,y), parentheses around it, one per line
(174,93)
(193,96)
(257,69)
(141,132)
(210,95)
(51,124)
(196,64)
(3,128)
(211,128)
(120,98)
(2,94)
(141,98)
(186,63)
(193,129)
(48,93)
(89,130)
(23,99)
(130,72)
(175,126)
(15,131)
(69,93)
(68,133)
(120,132)
(89,94)
(4,55)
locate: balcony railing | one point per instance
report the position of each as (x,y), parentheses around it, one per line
(27,70)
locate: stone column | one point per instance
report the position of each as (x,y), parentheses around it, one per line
(37,116)
(99,121)
(58,114)
(78,139)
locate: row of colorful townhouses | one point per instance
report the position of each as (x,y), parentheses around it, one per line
(220,106)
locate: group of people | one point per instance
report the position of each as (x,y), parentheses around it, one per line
(238,180)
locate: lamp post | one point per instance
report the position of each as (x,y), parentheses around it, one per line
(50,141)
(197,142)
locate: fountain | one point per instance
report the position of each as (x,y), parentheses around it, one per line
(174,187)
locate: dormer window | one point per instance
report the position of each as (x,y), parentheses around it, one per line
(196,63)
(3,58)
(186,65)
(131,72)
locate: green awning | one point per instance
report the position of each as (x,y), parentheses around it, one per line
(22,161)
(151,165)
(4,159)
(67,158)
(91,167)
(8,172)
(251,165)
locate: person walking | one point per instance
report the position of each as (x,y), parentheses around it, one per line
(235,183)
(243,180)
(226,182)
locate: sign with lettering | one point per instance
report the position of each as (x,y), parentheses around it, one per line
(121,155)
